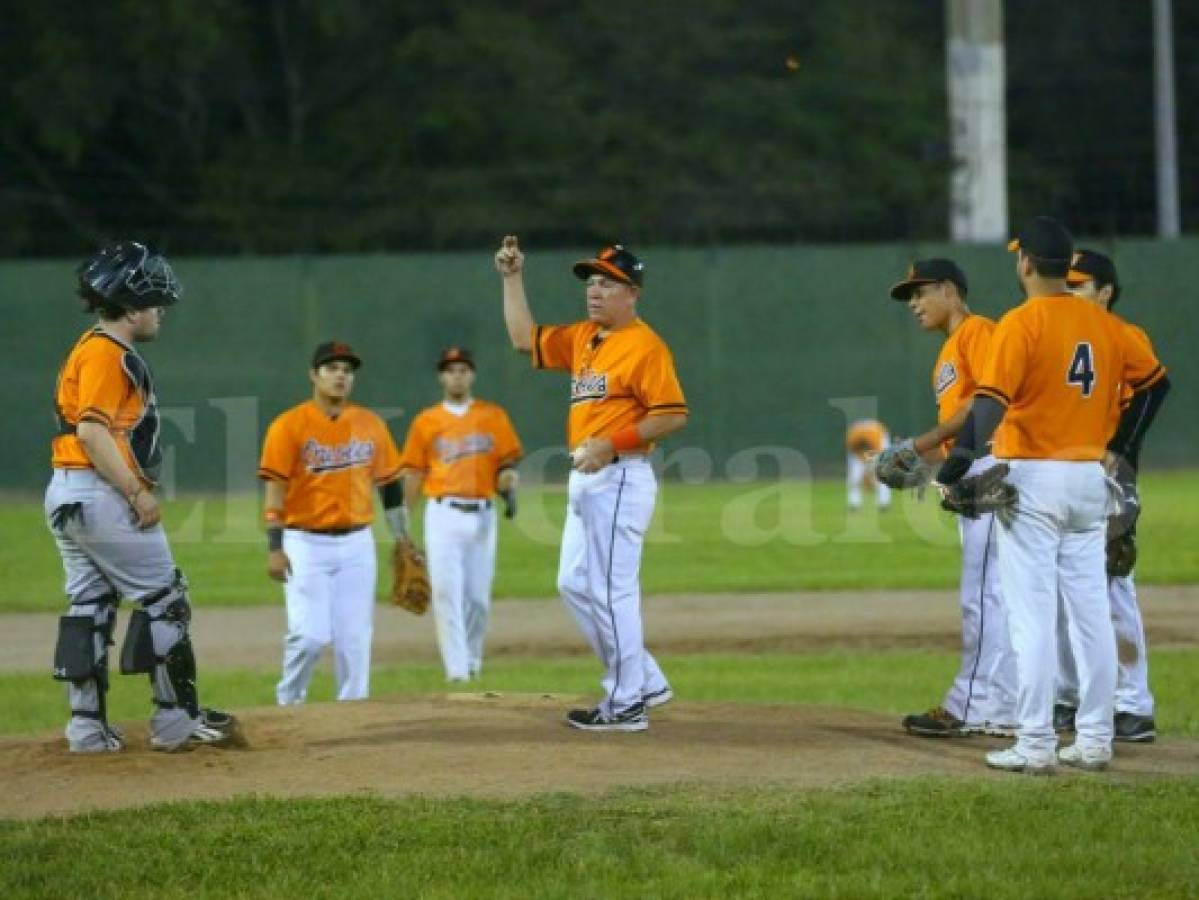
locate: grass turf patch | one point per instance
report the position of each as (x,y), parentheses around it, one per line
(1014,837)
(892,682)
(714,537)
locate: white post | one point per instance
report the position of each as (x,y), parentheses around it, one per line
(1169,219)
(974,65)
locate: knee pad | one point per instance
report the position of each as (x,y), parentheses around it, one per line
(81,651)
(158,643)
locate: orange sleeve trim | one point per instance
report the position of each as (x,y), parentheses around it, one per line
(91,414)
(538,362)
(995,394)
(390,476)
(270,474)
(1149,380)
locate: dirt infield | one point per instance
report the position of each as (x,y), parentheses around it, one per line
(505,746)
(516,745)
(251,638)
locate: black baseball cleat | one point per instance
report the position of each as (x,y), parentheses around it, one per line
(1063,717)
(631,719)
(937,722)
(658,698)
(1133,729)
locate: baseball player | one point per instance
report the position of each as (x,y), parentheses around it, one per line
(982,698)
(319,461)
(1093,277)
(1053,377)
(864,440)
(624,396)
(101,509)
(462,452)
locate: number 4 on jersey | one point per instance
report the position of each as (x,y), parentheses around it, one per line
(1082,369)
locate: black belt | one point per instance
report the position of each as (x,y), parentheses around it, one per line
(477,506)
(332,532)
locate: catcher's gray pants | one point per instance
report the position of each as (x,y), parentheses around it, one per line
(104,553)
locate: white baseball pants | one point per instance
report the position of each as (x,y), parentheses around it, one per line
(460,546)
(857,472)
(607,515)
(984,690)
(1056,544)
(330,600)
(1132,654)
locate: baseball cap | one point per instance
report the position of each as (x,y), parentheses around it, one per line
(333,350)
(1046,239)
(1088,265)
(615,262)
(453,355)
(929,271)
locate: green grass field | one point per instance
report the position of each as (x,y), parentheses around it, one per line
(1085,836)
(927,838)
(717,537)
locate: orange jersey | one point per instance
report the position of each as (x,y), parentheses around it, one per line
(104,380)
(329,465)
(1059,364)
(460,456)
(615,381)
(958,367)
(866,437)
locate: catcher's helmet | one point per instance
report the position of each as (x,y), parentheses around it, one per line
(129,275)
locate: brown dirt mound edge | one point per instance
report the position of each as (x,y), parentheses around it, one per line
(506,746)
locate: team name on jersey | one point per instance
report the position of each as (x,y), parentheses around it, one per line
(588,385)
(451,450)
(946,375)
(353,454)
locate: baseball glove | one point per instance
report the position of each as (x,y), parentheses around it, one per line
(983,493)
(1121,554)
(410,579)
(900,466)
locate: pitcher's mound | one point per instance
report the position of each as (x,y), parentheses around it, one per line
(501,745)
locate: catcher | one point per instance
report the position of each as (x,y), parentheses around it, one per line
(982,697)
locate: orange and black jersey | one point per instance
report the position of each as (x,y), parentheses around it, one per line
(1059,364)
(105,380)
(329,464)
(958,367)
(617,378)
(461,455)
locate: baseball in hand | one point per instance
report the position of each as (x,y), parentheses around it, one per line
(509,260)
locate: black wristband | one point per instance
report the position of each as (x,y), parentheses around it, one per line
(274,538)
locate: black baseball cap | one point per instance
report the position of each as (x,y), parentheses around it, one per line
(1045,238)
(334,350)
(929,271)
(455,355)
(1088,265)
(615,262)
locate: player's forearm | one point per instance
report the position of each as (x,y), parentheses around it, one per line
(517,316)
(273,495)
(654,428)
(936,436)
(101,449)
(412,485)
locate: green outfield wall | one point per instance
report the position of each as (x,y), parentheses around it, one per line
(776,348)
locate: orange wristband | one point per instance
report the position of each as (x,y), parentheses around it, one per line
(626,439)
(273,516)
